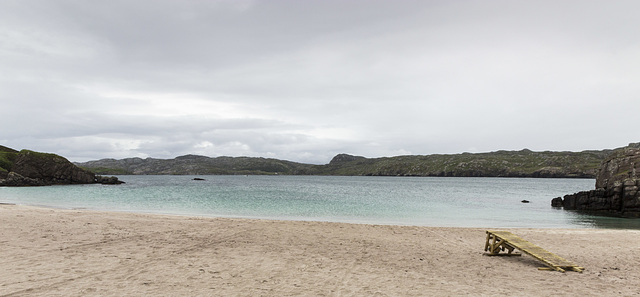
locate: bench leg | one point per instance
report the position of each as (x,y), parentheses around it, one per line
(494,245)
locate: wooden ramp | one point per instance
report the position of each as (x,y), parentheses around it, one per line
(498,241)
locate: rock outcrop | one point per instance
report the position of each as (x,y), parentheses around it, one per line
(29,168)
(621,165)
(16,180)
(50,168)
(107,180)
(617,184)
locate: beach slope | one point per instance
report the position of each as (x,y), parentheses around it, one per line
(57,252)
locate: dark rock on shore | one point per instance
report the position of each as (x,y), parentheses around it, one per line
(29,168)
(108,180)
(617,185)
(16,180)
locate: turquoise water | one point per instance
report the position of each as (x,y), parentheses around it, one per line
(423,201)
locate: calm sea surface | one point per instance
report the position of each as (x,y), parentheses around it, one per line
(423,201)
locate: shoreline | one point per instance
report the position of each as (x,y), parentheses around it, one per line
(302,219)
(63,252)
(634,224)
(362,200)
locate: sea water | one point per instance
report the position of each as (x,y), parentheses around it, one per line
(421,201)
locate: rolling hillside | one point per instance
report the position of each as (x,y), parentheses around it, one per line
(523,163)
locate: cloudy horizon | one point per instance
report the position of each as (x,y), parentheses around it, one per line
(306,80)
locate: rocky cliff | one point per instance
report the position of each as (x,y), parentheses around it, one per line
(617,184)
(29,168)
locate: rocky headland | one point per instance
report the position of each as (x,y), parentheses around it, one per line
(617,184)
(29,168)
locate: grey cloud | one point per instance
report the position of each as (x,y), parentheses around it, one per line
(304,80)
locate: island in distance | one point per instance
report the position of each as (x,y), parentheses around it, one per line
(523,163)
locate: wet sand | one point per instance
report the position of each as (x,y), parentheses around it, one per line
(53,252)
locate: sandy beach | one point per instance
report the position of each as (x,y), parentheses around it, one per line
(54,252)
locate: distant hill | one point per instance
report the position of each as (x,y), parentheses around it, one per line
(523,163)
(197,165)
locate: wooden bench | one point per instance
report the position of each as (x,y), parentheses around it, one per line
(498,241)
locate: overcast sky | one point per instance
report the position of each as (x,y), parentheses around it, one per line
(305,80)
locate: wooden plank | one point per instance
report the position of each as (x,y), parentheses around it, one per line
(507,240)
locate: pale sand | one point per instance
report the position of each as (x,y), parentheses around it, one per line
(51,252)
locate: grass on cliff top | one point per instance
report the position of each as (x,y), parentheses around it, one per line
(6,160)
(42,156)
(7,149)
(8,157)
